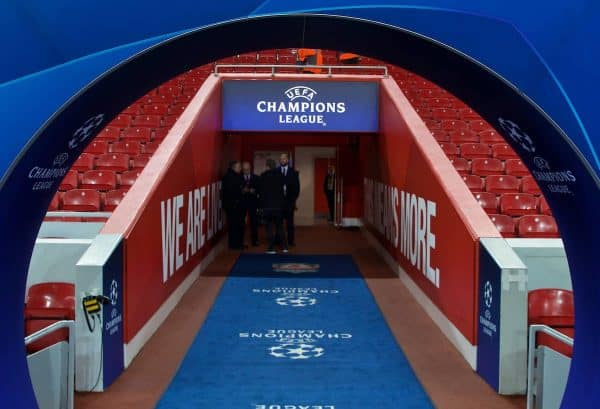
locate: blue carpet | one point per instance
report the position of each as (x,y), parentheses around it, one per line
(295,332)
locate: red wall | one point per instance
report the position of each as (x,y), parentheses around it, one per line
(193,157)
(349,147)
(406,160)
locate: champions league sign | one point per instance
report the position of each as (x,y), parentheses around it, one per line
(316,106)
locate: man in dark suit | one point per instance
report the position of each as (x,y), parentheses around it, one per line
(329,189)
(272,201)
(291,191)
(250,200)
(232,203)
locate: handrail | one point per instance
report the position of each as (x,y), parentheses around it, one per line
(77,214)
(274,67)
(533,330)
(70,325)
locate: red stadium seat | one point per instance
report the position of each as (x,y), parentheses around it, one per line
(501,184)
(543,207)
(150,121)
(128,179)
(424,113)
(113,199)
(191,90)
(487,166)
(168,90)
(156,109)
(118,162)
(518,204)
(464,136)
(551,306)
(461,165)
(97,147)
(82,200)
(70,181)
(129,147)
(55,202)
(529,185)
(84,162)
(139,162)
(439,103)
(516,168)
(474,183)
(444,113)
(468,114)
(110,133)
(178,108)
(47,303)
(121,121)
(505,225)
(137,134)
(440,135)
(503,151)
(433,124)
(133,109)
(160,134)
(538,226)
(169,120)
(488,201)
(450,149)
(102,180)
(453,125)
(150,147)
(474,150)
(490,137)
(478,126)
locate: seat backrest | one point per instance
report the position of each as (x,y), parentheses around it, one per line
(461,165)
(70,181)
(464,136)
(551,306)
(82,200)
(450,149)
(529,185)
(473,182)
(490,137)
(538,226)
(51,295)
(453,125)
(487,166)
(99,179)
(128,178)
(119,162)
(505,224)
(113,199)
(138,134)
(516,168)
(128,147)
(97,147)
(488,201)
(518,204)
(501,184)
(503,151)
(84,162)
(475,150)
(478,126)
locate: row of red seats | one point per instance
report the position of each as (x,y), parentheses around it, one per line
(102,180)
(528,226)
(117,162)
(489,166)
(512,204)
(143,121)
(460,136)
(131,147)
(502,184)
(87,200)
(500,151)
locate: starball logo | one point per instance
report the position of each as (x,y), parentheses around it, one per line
(301,107)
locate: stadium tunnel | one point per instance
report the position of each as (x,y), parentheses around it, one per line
(532,134)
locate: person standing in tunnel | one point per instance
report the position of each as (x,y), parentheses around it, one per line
(250,201)
(291,191)
(232,203)
(272,199)
(329,189)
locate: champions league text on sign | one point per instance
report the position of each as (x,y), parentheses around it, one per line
(316,106)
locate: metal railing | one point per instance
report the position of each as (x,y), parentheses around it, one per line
(328,68)
(70,325)
(533,331)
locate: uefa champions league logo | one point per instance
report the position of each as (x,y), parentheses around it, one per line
(85,131)
(296,300)
(295,349)
(516,134)
(541,163)
(114,292)
(488,294)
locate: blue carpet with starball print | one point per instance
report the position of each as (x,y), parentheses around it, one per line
(295,332)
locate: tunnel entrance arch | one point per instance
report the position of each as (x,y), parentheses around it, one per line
(543,147)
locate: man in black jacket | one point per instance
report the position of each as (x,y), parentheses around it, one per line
(232,185)
(250,200)
(329,189)
(272,202)
(291,191)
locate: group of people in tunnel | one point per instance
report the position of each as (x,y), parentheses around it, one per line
(268,199)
